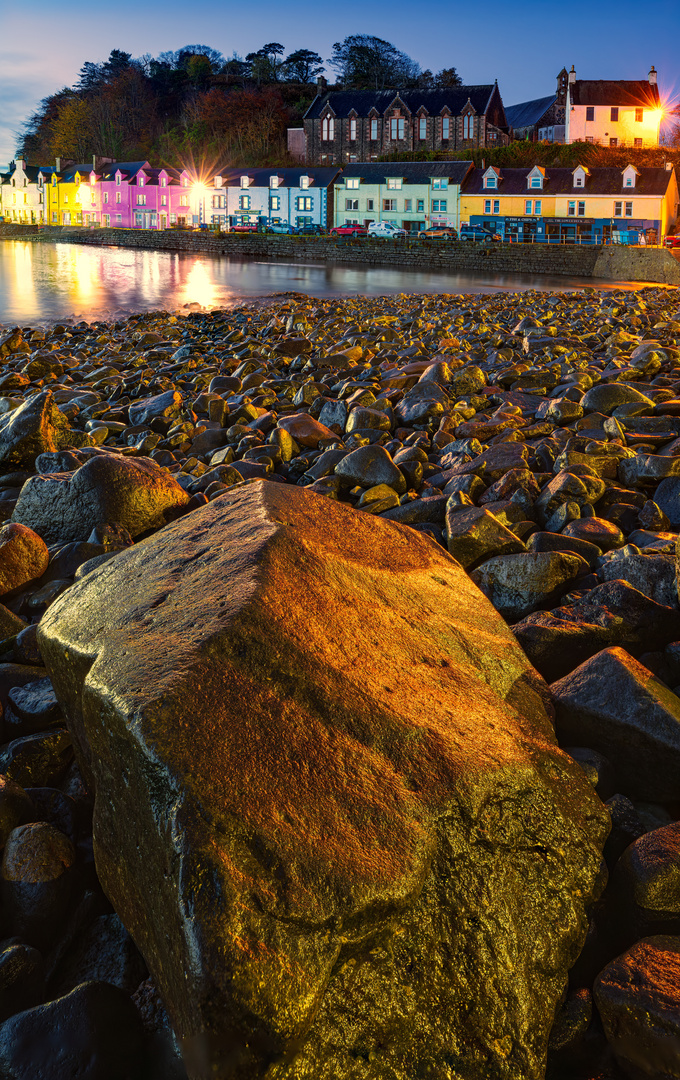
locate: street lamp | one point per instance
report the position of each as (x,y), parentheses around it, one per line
(199,190)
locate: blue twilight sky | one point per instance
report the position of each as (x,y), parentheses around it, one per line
(523,45)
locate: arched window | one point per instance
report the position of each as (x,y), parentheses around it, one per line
(446,126)
(352,129)
(468,126)
(327,129)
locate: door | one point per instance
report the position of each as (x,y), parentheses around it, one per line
(164,221)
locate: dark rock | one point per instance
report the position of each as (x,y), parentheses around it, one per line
(36,882)
(474,535)
(607,396)
(368,466)
(36,703)
(133,492)
(102,952)
(16,808)
(23,557)
(56,808)
(596,767)
(219,828)
(38,760)
(603,534)
(638,998)
(646,884)
(22,978)
(94,1033)
(647,469)
(35,427)
(547,541)
(615,705)
(167,405)
(626,827)
(556,647)
(667,498)
(519,584)
(653,575)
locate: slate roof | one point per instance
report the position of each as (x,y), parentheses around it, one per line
(412,172)
(108,172)
(290,177)
(343,102)
(634,92)
(601,181)
(528,113)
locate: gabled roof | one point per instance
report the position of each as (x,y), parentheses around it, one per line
(343,102)
(632,93)
(528,113)
(67,175)
(559,181)
(291,177)
(129,169)
(412,172)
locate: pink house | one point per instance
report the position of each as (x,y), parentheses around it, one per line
(133,195)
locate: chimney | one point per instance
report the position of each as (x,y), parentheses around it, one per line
(57,162)
(572,76)
(652,76)
(21,163)
(321,85)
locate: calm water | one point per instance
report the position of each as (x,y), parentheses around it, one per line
(40,283)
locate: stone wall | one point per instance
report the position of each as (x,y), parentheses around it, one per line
(616,264)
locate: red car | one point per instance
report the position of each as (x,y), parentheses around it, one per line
(349,230)
(251,227)
(673,241)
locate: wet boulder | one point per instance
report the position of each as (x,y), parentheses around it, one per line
(36,427)
(132,492)
(519,584)
(370,837)
(23,557)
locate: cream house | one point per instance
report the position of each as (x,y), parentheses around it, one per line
(22,196)
(613,112)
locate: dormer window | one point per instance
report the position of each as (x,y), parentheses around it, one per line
(218,181)
(440,182)
(185,181)
(305,181)
(629,175)
(117,179)
(578,181)
(274,181)
(245,181)
(352,182)
(141,181)
(536,182)
(164,181)
(327,129)
(394,183)
(491,179)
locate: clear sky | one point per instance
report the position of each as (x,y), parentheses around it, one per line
(523,45)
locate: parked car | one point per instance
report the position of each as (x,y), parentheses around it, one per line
(251,226)
(438,232)
(311,230)
(280,227)
(477,232)
(349,230)
(673,241)
(385,230)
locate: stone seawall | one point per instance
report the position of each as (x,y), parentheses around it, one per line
(617,264)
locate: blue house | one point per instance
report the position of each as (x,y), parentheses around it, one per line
(296,196)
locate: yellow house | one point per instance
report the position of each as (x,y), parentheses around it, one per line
(578,205)
(71,195)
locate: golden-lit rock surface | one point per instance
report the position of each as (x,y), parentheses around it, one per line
(330,807)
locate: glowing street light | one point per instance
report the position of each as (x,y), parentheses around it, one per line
(199,189)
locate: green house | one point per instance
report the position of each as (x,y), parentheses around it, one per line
(411,194)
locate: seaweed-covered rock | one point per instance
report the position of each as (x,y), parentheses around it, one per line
(340,870)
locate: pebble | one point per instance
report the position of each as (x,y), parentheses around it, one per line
(534,436)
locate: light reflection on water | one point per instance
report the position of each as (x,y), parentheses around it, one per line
(46,282)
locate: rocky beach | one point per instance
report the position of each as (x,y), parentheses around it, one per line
(340,686)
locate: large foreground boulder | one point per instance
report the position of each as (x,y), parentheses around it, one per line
(330,808)
(35,427)
(132,492)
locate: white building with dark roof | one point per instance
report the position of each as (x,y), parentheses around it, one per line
(613,112)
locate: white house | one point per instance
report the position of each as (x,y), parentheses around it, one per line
(22,194)
(613,112)
(295,197)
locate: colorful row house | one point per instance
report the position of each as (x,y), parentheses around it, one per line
(261,197)
(123,195)
(581,205)
(413,195)
(22,194)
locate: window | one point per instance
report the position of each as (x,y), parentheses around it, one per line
(590,112)
(351,204)
(138,220)
(141,181)
(407,206)
(119,197)
(393,183)
(527,206)
(638,116)
(327,129)
(571,209)
(581,209)
(637,143)
(369,204)
(351,181)
(389,205)
(536,181)
(440,182)
(374,130)
(446,127)
(487,206)
(613,142)
(304,202)
(397,127)
(65,198)
(589,138)
(439,206)
(117,179)
(275,202)
(420,206)
(164,200)
(304,182)
(538,206)
(185,181)
(119,218)
(244,181)
(164,181)
(243,202)
(578,181)
(352,129)
(496,206)
(468,126)
(491,181)
(614,114)
(106,196)
(274,181)
(422,128)
(141,200)
(629,181)
(618,209)
(184,200)
(629,209)
(54,217)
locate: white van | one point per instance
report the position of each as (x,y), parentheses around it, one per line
(385,230)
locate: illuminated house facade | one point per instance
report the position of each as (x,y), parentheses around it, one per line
(411,195)
(613,113)
(558,205)
(22,194)
(296,196)
(133,195)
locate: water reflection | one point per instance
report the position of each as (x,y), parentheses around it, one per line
(48,282)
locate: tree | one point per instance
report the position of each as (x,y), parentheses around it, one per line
(117,63)
(199,70)
(71,131)
(366,62)
(303,66)
(447,77)
(180,58)
(90,77)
